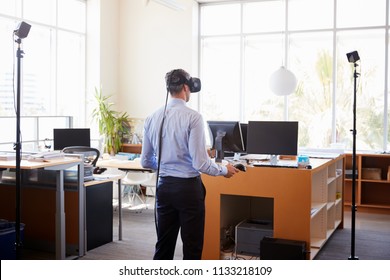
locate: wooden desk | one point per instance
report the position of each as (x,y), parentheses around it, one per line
(132,148)
(125,165)
(292,193)
(59,165)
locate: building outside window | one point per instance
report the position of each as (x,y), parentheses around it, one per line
(53,63)
(243,42)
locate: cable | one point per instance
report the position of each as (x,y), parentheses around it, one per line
(159,152)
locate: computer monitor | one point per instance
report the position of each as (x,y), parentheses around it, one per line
(272,138)
(66,137)
(225,136)
(244,132)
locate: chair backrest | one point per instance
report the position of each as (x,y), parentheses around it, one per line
(91,155)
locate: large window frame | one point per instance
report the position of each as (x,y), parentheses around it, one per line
(320,127)
(54,61)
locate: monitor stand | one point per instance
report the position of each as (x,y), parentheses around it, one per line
(273,160)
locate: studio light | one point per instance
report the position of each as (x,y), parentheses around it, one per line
(22,30)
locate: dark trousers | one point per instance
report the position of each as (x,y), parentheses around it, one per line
(180,206)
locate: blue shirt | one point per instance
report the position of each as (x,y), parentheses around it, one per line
(183,148)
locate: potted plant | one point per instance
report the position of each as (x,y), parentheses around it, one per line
(112,124)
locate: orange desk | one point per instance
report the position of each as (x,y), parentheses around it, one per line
(293,194)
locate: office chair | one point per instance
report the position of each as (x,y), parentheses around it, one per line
(132,183)
(91,155)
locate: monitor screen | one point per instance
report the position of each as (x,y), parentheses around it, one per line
(272,137)
(226,136)
(66,137)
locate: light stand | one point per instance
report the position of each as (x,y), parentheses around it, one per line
(353,57)
(21,31)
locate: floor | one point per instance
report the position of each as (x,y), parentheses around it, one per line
(139,235)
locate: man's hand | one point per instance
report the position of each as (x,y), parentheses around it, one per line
(231,170)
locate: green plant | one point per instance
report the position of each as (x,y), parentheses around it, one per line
(112,124)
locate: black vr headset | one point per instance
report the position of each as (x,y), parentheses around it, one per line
(177,78)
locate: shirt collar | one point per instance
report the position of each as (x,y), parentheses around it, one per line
(177,101)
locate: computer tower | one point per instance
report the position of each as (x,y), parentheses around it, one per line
(249,233)
(282,249)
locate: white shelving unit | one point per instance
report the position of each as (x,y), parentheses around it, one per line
(327,206)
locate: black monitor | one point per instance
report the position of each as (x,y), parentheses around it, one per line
(225,136)
(244,132)
(66,137)
(272,138)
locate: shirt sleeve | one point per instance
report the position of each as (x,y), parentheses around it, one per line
(197,147)
(148,155)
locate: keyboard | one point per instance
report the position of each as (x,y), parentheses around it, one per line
(282,164)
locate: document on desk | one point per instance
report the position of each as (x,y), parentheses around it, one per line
(7,156)
(102,177)
(45,156)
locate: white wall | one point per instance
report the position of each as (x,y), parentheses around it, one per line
(132,44)
(153,39)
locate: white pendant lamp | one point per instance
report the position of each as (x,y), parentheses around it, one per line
(283,81)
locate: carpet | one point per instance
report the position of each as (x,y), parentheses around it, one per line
(369,245)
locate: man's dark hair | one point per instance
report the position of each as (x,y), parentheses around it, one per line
(175,80)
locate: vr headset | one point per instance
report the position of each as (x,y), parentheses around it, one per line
(177,79)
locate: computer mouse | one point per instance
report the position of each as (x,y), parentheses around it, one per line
(99,170)
(240,167)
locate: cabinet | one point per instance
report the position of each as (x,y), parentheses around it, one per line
(372,182)
(304,204)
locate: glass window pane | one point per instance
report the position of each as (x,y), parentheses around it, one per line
(221,19)
(370,89)
(71,15)
(38,72)
(354,13)
(71,77)
(7,58)
(42,11)
(310,14)
(221,79)
(263,56)
(266,16)
(311,60)
(10,7)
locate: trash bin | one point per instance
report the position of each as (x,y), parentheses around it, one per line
(8,238)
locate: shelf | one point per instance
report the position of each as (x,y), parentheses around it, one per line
(331,179)
(313,252)
(375,181)
(371,194)
(317,207)
(317,242)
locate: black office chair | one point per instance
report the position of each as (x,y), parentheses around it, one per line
(91,155)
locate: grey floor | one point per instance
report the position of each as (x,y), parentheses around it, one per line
(139,237)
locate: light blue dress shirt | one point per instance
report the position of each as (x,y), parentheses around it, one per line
(183,151)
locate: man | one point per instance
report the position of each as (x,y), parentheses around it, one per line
(175,136)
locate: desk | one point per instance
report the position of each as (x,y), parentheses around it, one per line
(306,204)
(125,165)
(59,165)
(132,148)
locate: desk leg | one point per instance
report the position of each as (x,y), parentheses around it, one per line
(60,216)
(82,211)
(120,209)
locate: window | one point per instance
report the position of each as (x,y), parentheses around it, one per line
(235,66)
(53,64)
